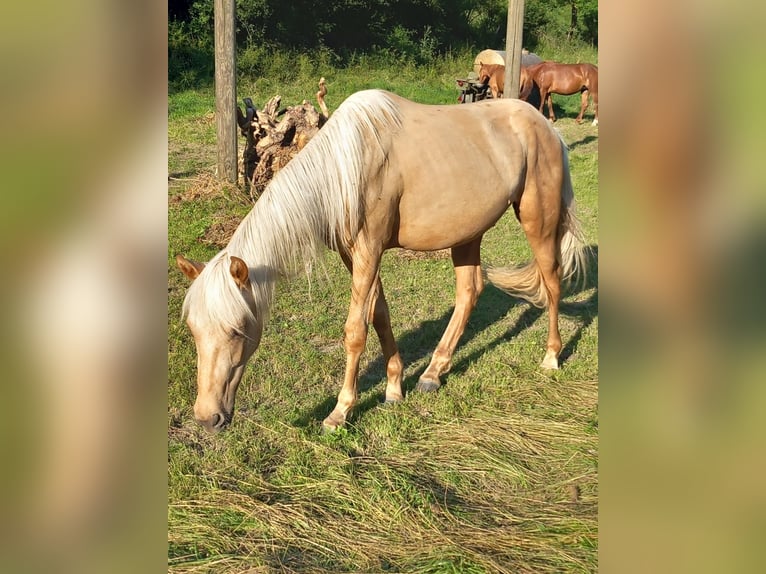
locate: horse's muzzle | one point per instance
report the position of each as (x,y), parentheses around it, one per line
(216,423)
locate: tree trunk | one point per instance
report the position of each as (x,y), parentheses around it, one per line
(273,137)
(573,22)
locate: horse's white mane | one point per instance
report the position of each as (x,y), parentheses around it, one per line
(315,200)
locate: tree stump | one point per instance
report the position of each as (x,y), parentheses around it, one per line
(273,137)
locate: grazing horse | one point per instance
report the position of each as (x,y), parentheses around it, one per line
(565,79)
(385,172)
(495,75)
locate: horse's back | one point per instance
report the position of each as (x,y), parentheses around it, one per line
(454,170)
(565,78)
(486,135)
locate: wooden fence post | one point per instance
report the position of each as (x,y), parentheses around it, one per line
(513,44)
(225,90)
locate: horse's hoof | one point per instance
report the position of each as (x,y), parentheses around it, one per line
(327,429)
(550,361)
(393,401)
(331,424)
(425,386)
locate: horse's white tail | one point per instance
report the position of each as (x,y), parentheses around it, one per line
(526,281)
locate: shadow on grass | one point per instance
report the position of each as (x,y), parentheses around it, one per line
(584,141)
(564,109)
(492,306)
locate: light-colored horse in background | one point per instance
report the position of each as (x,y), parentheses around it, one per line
(385,172)
(564,79)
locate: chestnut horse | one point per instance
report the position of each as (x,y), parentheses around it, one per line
(495,75)
(564,79)
(385,172)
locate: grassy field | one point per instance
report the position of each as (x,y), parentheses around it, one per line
(497,472)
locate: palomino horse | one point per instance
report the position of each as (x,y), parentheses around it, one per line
(564,79)
(495,75)
(386,172)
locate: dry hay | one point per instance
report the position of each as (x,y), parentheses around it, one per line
(493,491)
(205,186)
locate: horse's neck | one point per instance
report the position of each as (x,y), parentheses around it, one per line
(271,239)
(315,200)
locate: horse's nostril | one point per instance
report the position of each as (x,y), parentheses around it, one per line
(216,422)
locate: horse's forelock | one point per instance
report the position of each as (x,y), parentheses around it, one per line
(215,293)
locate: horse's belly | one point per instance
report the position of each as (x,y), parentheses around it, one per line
(455,173)
(440,225)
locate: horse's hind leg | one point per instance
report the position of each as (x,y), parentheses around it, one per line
(583,104)
(546,259)
(595,107)
(469,285)
(544,248)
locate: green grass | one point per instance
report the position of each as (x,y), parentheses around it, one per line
(497,472)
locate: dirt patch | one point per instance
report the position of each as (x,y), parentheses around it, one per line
(220,232)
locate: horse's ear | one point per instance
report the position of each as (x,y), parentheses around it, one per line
(190,268)
(239,271)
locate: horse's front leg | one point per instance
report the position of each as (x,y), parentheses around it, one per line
(394,365)
(381,320)
(551,115)
(365,265)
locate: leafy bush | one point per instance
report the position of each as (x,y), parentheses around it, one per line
(415,33)
(589,20)
(190,58)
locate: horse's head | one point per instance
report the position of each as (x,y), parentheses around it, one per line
(226,332)
(483,73)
